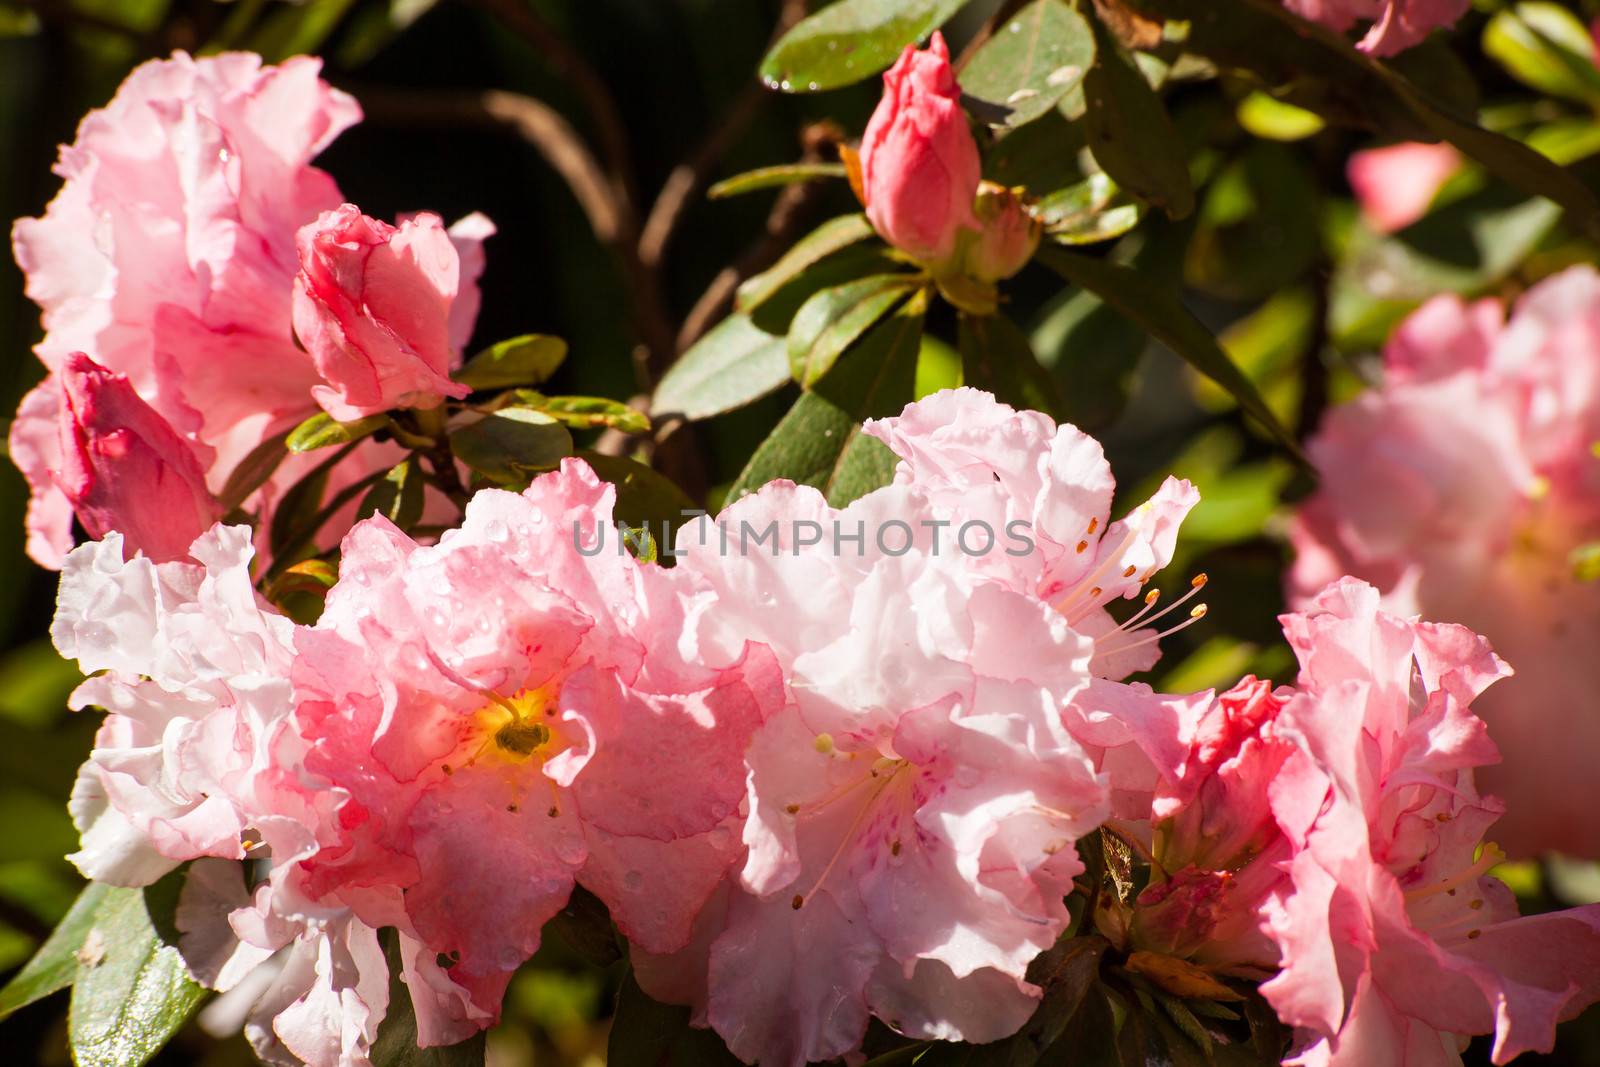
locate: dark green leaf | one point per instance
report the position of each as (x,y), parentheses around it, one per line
(297,509)
(1332,78)
(253,470)
(996,356)
(833,319)
(1165,318)
(322,430)
(646,1033)
(527,360)
(131,992)
(398,498)
(511,445)
(1065,972)
(644,497)
(732,365)
(768,177)
(813,442)
(825,240)
(55,965)
(1032,61)
(586,412)
(1087,212)
(1042,156)
(850,40)
(1130,134)
(1092,353)
(1257,229)
(396,1043)
(585,925)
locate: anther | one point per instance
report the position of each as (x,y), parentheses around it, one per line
(1082,545)
(1094,523)
(823,743)
(1131,571)
(798,902)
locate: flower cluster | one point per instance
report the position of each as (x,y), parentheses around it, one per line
(813,788)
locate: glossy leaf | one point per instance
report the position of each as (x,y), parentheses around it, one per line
(834,318)
(398,497)
(771,177)
(830,237)
(527,360)
(1129,132)
(295,510)
(1165,318)
(512,445)
(55,965)
(396,1043)
(734,364)
(812,445)
(1032,61)
(996,356)
(850,40)
(586,412)
(1545,46)
(322,430)
(132,991)
(253,471)
(1087,212)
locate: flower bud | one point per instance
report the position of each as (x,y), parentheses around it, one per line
(372,305)
(919,162)
(124,468)
(1007,235)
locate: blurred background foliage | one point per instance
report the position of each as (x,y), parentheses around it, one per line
(1275,260)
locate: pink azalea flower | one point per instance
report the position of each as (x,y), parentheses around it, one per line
(1459,488)
(1396,24)
(1029,481)
(372,304)
(911,811)
(169,258)
(1397,945)
(1395,185)
(508,717)
(919,161)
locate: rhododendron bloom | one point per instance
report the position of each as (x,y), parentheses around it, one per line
(372,304)
(1460,487)
(507,717)
(169,257)
(122,467)
(1396,943)
(983,463)
(919,162)
(1396,24)
(912,811)
(1395,185)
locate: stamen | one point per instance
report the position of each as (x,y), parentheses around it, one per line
(1069,603)
(1094,523)
(1194,616)
(1491,856)
(1195,585)
(846,838)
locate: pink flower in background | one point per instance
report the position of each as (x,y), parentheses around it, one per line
(169,258)
(123,468)
(919,162)
(1396,185)
(508,717)
(911,812)
(372,304)
(1395,24)
(1460,487)
(1396,943)
(980,461)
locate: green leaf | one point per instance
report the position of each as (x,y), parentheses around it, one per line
(1547,47)
(1257,230)
(254,470)
(527,360)
(732,365)
(55,965)
(1272,119)
(1092,353)
(1329,76)
(322,430)
(1164,317)
(131,992)
(1087,212)
(585,925)
(1032,61)
(770,177)
(850,40)
(646,1033)
(813,444)
(1065,972)
(396,1043)
(399,497)
(645,497)
(586,412)
(298,508)
(512,445)
(834,318)
(997,357)
(830,237)
(1130,134)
